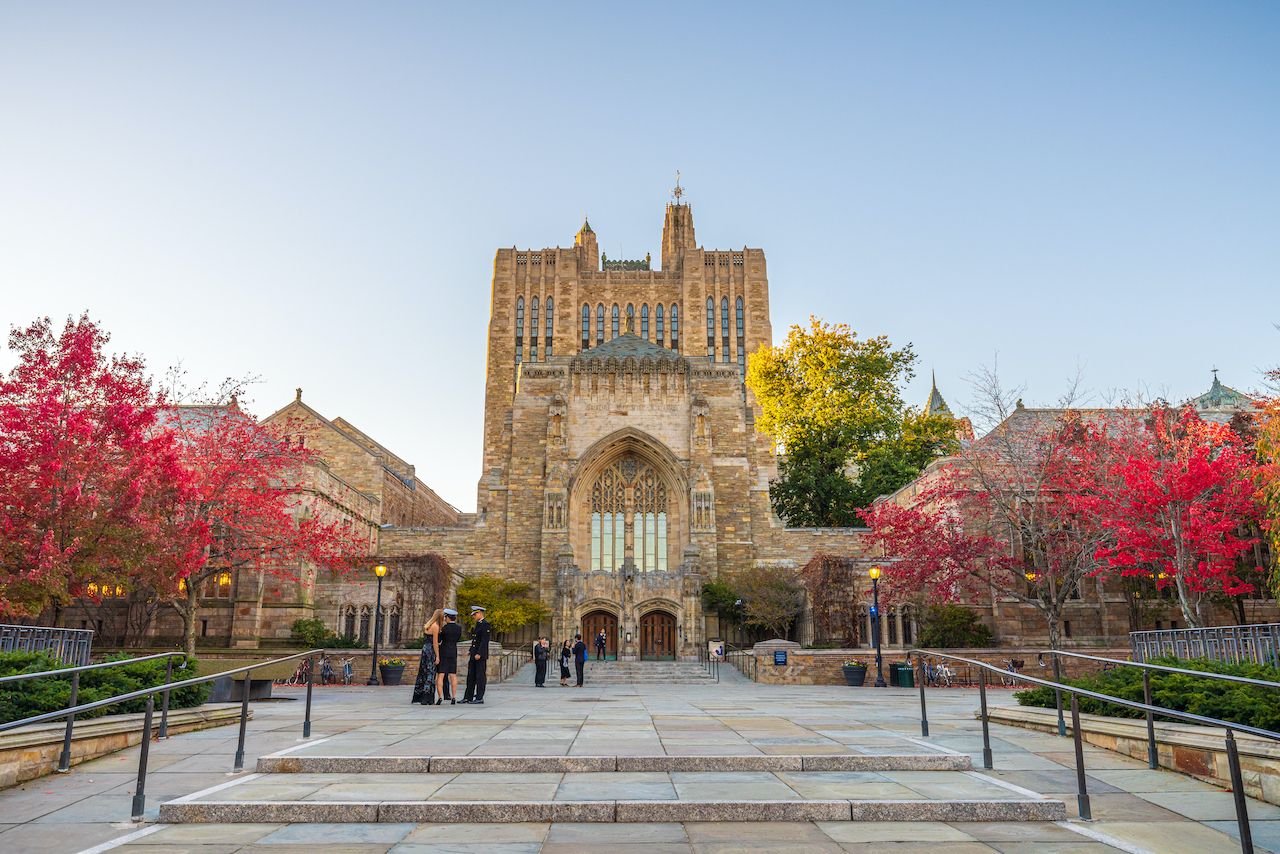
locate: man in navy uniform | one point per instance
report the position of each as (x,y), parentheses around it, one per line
(477,658)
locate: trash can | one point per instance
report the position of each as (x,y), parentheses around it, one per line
(894,679)
(904,676)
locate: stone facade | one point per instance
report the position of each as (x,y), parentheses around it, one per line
(622,468)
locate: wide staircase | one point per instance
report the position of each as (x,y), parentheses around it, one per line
(647,672)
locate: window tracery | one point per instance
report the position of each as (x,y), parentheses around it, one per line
(629,513)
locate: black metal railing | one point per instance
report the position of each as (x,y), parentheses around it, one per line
(745,661)
(1082,792)
(70,646)
(64,759)
(139,797)
(709,662)
(511,660)
(1229,644)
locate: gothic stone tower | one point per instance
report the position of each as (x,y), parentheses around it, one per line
(620,454)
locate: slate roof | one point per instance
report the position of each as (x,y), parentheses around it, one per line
(936,405)
(627,345)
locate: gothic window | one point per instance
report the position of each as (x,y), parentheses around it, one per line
(644,321)
(631,318)
(586,326)
(711,329)
(393,626)
(742,339)
(364,625)
(724,329)
(704,514)
(519,330)
(657,316)
(629,504)
(616,317)
(533,330)
(675,326)
(347,621)
(599,323)
(551,307)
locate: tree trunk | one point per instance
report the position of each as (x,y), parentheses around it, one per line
(187,610)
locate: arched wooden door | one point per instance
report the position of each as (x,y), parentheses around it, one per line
(658,636)
(592,624)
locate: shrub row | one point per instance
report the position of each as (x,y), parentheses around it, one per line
(52,693)
(1243,704)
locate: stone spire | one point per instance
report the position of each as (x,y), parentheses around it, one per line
(936,405)
(588,248)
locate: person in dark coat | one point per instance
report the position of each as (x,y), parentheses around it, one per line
(601,644)
(579,657)
(450,634)
(541,652)
(477,659)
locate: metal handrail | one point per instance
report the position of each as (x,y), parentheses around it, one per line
(1082,796)
(64,758)
(139,797)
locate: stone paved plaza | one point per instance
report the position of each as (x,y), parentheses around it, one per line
(1133,807)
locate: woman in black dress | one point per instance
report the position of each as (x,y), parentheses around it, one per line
(565,655)
(424,687)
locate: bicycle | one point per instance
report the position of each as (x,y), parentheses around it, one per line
(1013,668)
(939,675)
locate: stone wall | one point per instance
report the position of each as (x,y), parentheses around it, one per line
(823,666)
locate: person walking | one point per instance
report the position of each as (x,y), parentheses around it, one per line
(477,659)
(602,643)
(565,654)
(541,652)
(450,634)
(579,657)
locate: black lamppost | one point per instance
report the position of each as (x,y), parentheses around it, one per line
(874,572)
(379,570)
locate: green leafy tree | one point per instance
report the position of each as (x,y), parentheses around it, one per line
(721,598)
(507,603)
(832,404)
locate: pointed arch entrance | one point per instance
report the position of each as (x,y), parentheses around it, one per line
(658,636)
(601,621)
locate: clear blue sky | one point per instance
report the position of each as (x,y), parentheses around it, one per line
(314,192)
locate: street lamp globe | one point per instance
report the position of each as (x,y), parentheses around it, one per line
(874,572)
(380,570)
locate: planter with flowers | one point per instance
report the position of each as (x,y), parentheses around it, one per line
(855,673)
(391,669)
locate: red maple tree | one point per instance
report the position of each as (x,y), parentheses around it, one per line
(1179,506)
(84,469)
(1001,518)
(252,510)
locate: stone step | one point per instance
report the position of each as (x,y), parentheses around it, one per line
(295,764)
(483,795)
(454,812)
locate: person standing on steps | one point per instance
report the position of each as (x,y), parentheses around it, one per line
(565,654)
(601,644)
(579,657)
(450,634)
(541,652)
(477,658)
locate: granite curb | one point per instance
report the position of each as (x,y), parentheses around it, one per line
(346,812)
(604,764)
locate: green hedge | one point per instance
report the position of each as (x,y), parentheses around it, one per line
(1243,704)
(35,696)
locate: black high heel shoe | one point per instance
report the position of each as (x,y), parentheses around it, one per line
(439,700)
